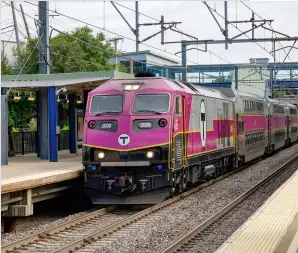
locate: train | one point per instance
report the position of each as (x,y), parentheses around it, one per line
(148,138)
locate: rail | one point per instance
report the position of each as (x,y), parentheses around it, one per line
(183,241)
(30,240)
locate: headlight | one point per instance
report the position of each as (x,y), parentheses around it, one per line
(150,154)
(101,155)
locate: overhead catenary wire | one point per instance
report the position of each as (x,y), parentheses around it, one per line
(288,56)
(156,64)
(145,15)
(7,93)
(107,31)
(95,26)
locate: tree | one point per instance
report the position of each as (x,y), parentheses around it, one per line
(5,67)
(69,54)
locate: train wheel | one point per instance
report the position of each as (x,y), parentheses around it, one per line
(177,185)
(184,179)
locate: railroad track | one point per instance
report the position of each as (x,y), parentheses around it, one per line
(195,236)
(96,228)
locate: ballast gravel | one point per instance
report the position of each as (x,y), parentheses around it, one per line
(159,233)
(218,233)
(34,224)
(169,225)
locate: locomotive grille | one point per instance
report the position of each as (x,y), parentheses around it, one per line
(110,155)
(134,155)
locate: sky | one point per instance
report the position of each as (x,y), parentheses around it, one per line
(194,15)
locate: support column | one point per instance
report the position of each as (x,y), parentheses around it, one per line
(52,118)
(37,137)
(72,117)
(4,130)
(44,130)
(85,99)
(236,78)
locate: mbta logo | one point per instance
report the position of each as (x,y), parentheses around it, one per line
(123,139)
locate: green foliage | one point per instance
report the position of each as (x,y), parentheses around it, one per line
(70,55)
(67,55)
(22,57)
(5,68)
(64,124)
(33,124)
(19,111)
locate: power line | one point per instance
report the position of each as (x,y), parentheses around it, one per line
(242,32)
(86,23)
(176,28)
(287,56)
(156,64)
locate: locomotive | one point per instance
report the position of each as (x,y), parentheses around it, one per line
(147,138)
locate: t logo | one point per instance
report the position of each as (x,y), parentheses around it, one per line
(123,139)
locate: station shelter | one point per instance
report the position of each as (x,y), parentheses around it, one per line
(48,88)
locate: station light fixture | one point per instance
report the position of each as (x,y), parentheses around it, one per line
(17,97)
(31,98)
(79,100)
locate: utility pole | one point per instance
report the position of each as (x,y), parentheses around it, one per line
(44,52)
(184,65)
(137,31)
(115,40)
(42,93)
(15,25)
(25,21)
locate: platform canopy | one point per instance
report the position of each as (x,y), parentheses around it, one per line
(73,82)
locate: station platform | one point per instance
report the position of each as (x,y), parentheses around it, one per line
(273,228)
(28,179)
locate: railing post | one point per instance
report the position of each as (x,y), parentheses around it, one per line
(59,142)
(23,143)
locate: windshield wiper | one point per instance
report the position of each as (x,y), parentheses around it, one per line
(149,111)
(111,112)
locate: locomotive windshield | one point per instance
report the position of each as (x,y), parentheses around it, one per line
(155,103)
(106,104)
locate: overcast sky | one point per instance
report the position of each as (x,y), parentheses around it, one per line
(195,17)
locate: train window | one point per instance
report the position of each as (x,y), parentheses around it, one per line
(155,103)
(293,111)
(178,105)
(278,109)
(106,104)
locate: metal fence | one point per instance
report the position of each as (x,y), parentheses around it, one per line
(25,142)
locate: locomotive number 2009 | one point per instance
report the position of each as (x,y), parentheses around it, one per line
(106,125)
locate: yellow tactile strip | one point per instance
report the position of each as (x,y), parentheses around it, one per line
(265,229)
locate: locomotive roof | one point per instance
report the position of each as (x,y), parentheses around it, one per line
(163,84)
